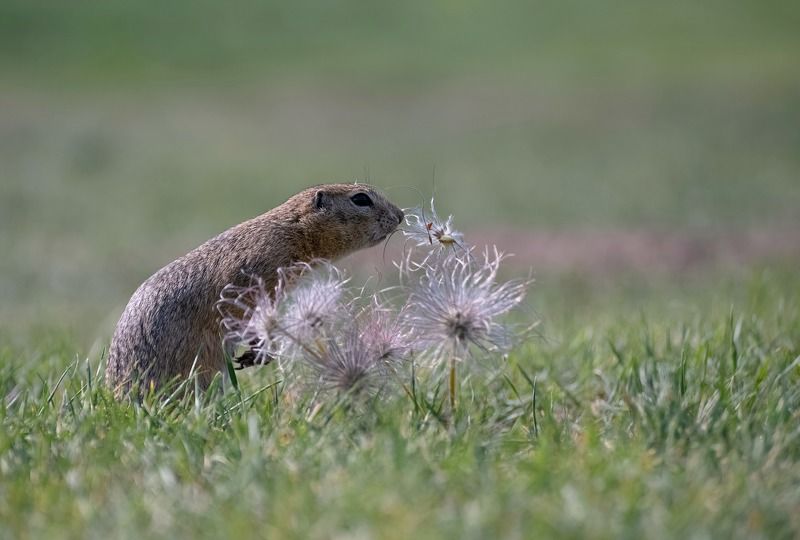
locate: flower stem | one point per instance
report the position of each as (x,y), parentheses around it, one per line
(453,383)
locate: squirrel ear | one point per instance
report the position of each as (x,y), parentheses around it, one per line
(321,199)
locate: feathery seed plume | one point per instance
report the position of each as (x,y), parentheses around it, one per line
(457,305)
(251,318)
(315,303)
(430,230)
(346,364)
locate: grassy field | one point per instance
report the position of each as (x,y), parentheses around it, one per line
(665,402)
(678,419)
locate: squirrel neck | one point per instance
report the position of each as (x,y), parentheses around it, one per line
(273,240)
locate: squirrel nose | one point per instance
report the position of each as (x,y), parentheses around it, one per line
(400,217)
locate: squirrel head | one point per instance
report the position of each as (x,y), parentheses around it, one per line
(349,217)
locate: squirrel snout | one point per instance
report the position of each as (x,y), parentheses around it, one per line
(400,217)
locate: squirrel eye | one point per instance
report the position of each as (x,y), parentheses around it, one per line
(361,199)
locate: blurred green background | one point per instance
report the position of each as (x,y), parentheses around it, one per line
(130,132)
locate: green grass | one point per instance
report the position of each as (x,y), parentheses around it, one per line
(678,419)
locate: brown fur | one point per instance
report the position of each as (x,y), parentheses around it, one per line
(171,320)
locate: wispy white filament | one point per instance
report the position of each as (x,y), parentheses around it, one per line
(458,304)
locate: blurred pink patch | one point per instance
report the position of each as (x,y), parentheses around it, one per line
(602,253)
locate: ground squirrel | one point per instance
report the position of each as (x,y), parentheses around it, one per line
(171,319)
